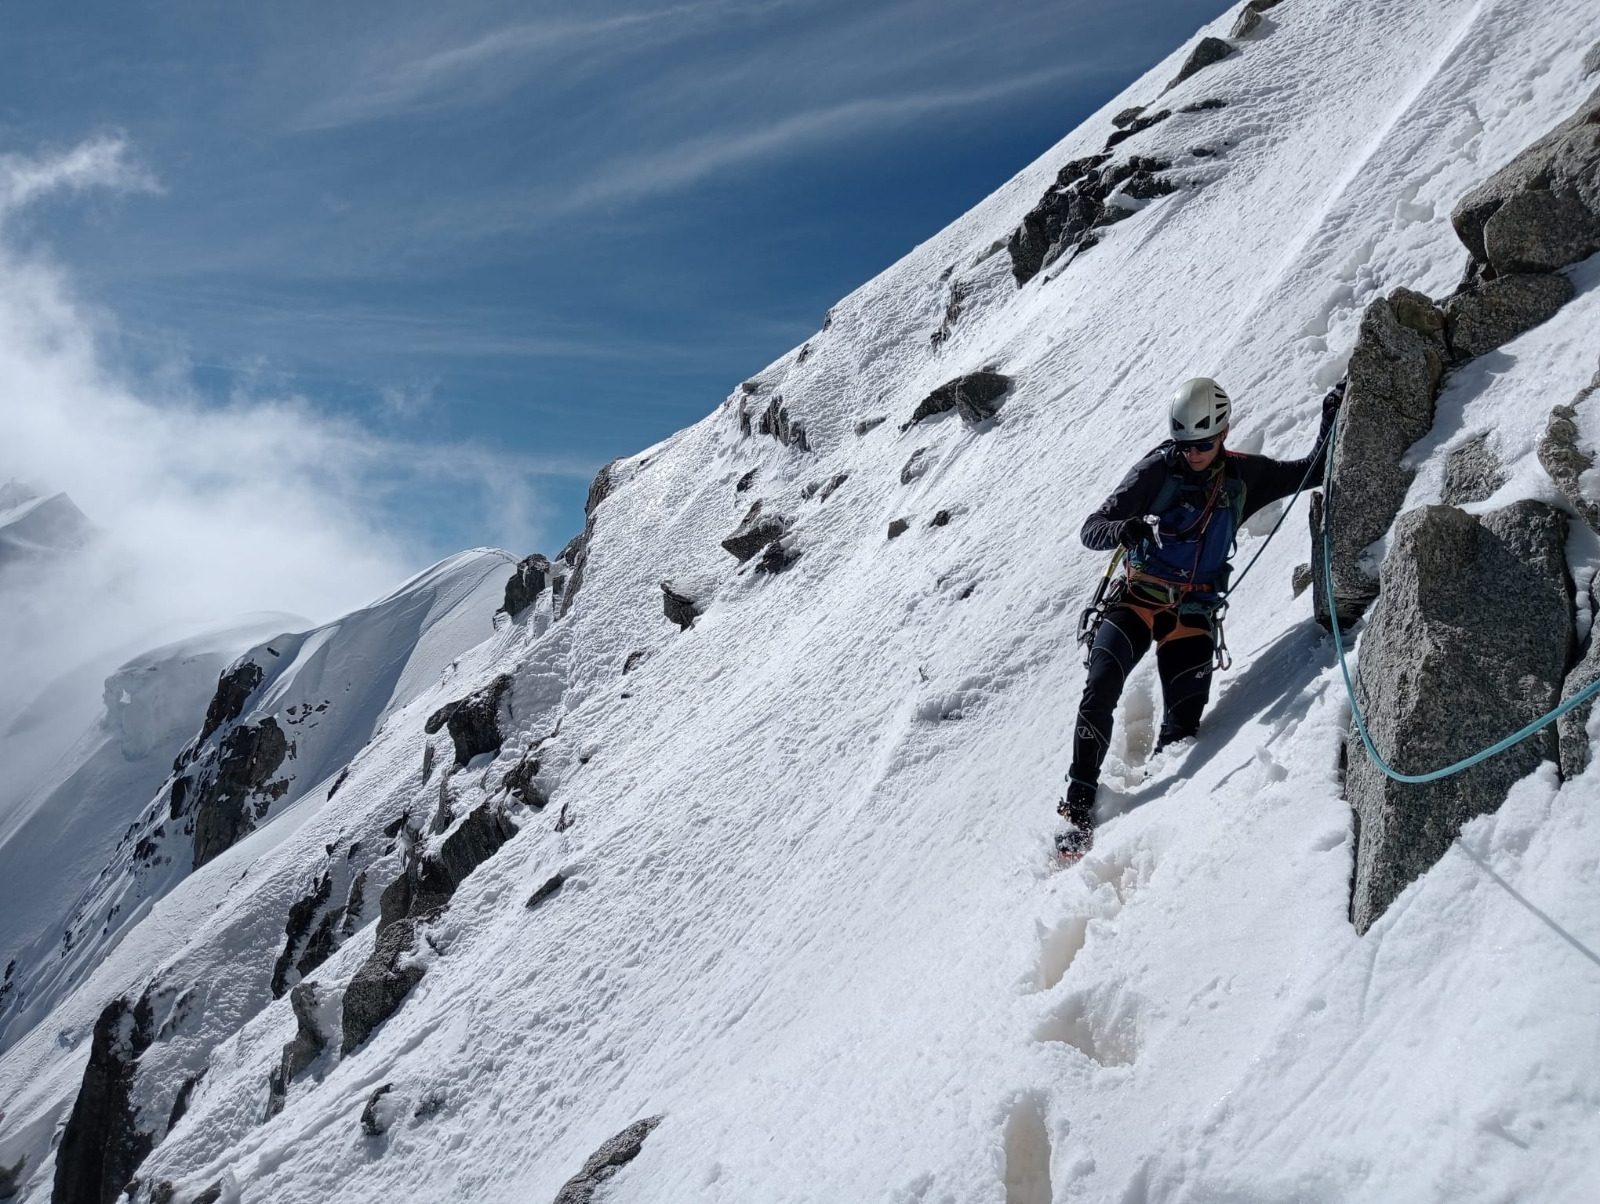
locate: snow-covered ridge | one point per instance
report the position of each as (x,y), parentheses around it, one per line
(32,526)
(323,693)
(789,887)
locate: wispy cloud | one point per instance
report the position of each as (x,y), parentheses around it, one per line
(209,510)
(486,63)
(690,161)
(100,163)
(407,399)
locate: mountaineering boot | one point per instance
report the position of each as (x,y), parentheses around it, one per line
(1077,838)
(1170,736)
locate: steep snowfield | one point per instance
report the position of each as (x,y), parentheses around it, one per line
(59,837)
(32,527)
(333,686)
(807,912)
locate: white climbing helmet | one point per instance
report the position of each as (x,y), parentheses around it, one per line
(1200,410)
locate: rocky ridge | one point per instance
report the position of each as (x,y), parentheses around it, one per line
(613,843)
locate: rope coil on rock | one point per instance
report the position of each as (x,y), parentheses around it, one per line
(1417,779)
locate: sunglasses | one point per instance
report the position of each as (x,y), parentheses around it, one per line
(1199,448)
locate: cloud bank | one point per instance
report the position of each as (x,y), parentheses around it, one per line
(208,510)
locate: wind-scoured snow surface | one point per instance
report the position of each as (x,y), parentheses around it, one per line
(808,915)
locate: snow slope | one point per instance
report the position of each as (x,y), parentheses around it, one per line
(332,687)
(33,527)
(807,913)
(62,834)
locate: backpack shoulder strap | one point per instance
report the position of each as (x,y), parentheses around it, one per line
(1235,488)
(1168,493)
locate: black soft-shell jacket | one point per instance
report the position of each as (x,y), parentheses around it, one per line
(1263,480)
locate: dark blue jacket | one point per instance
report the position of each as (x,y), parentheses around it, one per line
(1201,512)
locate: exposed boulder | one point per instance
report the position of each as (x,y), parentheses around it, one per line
(420,893)
(444,814)
(1300,578)
(375,1118)
(239,789)
(180,1102)
(576,553)
(1540,231)
(1250,17)
(1078,203)
(1572,729)
(1067,209)
(941,519)
(1127,117)
(755,531)
(775,421)
(474,721)
(354,906)
(1550,231)
(1472,473)
(745,481)
(899,527)
(521,781)
(600,488)
(1466,644)
(973,396)
(1394,376)
(1141,186)
(1206,52)
(428,882)
(1137,125)
(777,557)
(1493,312)
(1245,24)
(569,555)
(552,887)
(304,1048)
(823,490)
(302,913)
(526,584)
(679,607)
(233,690)
(606,1162)
(381,985)
(955,302)
(102,1144)
(1566,460)
(915,466)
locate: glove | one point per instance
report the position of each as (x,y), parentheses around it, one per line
(1332,402)
(1134,531)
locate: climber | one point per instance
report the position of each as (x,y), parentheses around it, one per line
(1176,515)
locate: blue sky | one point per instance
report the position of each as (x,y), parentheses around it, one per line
(534,236)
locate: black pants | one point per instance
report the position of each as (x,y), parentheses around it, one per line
(1185,647)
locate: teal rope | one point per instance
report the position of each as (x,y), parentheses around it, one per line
(1533,728)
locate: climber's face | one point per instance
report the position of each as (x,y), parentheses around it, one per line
(1201,454)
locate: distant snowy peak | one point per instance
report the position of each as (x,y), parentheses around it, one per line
(293,711)
(282,720)
(33,527)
